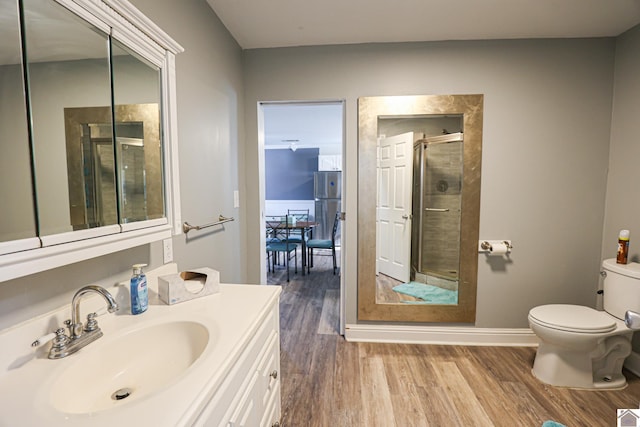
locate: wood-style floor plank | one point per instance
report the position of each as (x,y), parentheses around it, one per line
(377,409)
(327,381)
(329,313)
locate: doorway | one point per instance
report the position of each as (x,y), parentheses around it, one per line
(301,147)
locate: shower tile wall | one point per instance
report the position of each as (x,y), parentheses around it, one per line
(442,189)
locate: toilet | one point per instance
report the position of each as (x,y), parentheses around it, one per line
(581,347)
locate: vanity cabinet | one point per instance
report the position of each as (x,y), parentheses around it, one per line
(225,374)
(250,393)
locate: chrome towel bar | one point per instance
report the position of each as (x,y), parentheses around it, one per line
(186,227)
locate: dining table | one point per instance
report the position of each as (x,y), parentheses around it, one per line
(304,227)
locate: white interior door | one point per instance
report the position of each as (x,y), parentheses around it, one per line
(395,171)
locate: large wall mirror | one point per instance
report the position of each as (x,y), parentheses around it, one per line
(87,132)
(419,161)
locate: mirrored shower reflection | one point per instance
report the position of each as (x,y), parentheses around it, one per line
(434,215)
(437,202)
(99,181)
(92,166)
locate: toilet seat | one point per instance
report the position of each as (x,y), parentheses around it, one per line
(573,318)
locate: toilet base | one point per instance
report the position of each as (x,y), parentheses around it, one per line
(562,367)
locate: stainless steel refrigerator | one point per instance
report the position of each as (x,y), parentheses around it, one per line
(327,187)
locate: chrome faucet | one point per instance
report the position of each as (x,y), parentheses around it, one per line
(79,334)
(76,324)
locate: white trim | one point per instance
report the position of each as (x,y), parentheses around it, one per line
(344,240)
(19,245)
(139,44)
(136,225)
(262,242)
(72,236)
(33,261)
(170,133)
(86,14)
(450,335)
(632,363)
(144,24)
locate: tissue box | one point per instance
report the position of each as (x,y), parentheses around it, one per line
(187,285)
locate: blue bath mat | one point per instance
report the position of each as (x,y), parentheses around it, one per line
(552,424)
(429,294)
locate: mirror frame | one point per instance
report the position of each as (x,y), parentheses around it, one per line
(126,24)
(369,109)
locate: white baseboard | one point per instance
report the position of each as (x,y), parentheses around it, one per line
(451,335)
(632,363)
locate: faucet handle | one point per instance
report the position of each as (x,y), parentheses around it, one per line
(43,339)
(92,323)
(60,341)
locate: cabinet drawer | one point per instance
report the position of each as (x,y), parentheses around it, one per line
(271,417)
(246,413)
(242,379)
(269,369)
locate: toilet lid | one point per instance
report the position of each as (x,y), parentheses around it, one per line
(573,318)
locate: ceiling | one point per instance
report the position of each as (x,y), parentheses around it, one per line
(283,23)
(304,125)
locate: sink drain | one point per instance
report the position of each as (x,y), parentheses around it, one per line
(123,393)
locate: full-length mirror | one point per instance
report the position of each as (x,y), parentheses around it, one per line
(419,186)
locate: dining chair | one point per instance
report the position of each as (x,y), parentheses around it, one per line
(279,242)
(300,215)
(324,244)
(272,237)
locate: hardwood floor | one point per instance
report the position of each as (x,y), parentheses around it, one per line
(327,381)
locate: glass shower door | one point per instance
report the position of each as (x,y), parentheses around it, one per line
(441,206)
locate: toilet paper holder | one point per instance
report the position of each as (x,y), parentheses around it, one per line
(495,246)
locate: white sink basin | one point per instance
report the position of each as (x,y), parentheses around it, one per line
(128,367)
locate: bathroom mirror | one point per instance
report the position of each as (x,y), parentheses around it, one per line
(17,214)
(136,96)
(117,180)
(419,198)
(88,132)
(68,67)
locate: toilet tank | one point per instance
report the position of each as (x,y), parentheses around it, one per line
(621,287)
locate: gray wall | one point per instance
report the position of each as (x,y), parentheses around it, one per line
(210,109)
(209,96)
(547,114)
(623,203)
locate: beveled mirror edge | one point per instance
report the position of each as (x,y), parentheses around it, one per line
(369,109)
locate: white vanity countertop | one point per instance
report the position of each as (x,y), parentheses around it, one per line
(231,316)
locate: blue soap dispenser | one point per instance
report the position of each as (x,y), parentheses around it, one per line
(139,291)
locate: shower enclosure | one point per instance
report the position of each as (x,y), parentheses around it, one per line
(437,197)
